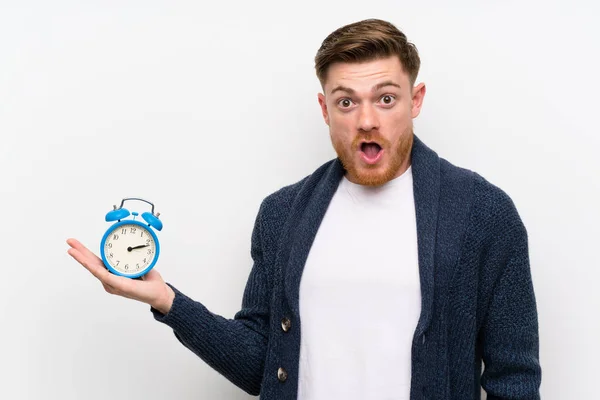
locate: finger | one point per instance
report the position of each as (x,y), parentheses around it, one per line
(112,283)
(89,263)
(96,267)
(77,245)
(109,289)
(152,275)
(130,290)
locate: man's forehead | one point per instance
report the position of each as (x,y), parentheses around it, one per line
(386,83)
(365,75)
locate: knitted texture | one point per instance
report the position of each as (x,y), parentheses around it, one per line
(478,303)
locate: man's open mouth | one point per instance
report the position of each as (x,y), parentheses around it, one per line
(370,149)
(370,152)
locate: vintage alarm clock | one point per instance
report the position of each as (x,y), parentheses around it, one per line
(130,247)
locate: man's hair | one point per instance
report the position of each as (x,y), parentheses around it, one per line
(367,40)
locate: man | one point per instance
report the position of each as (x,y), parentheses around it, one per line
(387,273)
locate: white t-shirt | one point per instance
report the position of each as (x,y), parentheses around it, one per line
(360,295)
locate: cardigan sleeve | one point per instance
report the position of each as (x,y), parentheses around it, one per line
(236,348)
(509,335)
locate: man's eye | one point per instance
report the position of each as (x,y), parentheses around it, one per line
(345,103)
(388,99)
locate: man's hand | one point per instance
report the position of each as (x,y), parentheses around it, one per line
(151,290)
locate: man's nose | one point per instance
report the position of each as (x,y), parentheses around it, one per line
(368,118)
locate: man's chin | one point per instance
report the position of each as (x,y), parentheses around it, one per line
(370,176)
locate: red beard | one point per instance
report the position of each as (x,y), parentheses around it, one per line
(382,172)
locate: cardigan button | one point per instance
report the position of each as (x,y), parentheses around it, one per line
(286,324)
(282,375)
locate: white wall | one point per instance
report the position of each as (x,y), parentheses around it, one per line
(206,109)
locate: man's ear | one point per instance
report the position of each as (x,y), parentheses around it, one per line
(323,105)
(417,99)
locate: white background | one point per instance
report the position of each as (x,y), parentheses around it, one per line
(205,109)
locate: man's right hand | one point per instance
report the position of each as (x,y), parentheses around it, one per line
(151,290)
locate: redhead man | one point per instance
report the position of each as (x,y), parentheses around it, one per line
(387,273)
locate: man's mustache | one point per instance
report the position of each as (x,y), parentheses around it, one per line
(371,136)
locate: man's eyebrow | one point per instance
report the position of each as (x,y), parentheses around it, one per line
(384,84)
(341,88)
(375,88)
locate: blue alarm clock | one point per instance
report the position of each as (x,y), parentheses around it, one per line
(130,247)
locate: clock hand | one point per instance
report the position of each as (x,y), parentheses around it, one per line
(137,247)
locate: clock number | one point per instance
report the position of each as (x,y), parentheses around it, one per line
(147,241)
(115,237)
(110,255)
(124,231)
(109,245)
(149,251)
(145,261)
(137,266)
(126,266)
(141,233)
(133,230)
(118,262)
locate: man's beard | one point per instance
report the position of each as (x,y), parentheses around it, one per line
(374,175)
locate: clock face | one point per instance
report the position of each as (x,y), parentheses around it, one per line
(130,249)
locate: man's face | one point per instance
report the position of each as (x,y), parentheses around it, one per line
(369,108)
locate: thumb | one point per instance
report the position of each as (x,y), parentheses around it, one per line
(153,276)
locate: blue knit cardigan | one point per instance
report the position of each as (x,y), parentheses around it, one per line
(478,303)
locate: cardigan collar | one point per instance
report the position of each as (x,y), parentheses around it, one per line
(311,204)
